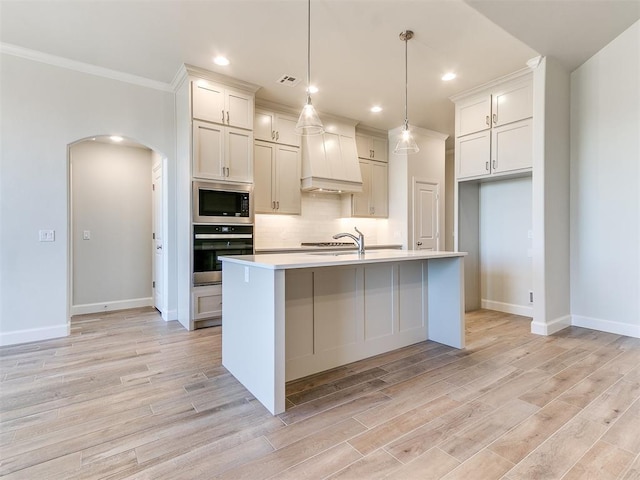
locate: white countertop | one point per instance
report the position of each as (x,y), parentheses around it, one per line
(312,248)
(284,261)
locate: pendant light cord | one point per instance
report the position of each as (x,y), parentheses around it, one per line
(406,81)
(308,51)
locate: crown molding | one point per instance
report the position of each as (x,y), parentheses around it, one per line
(219,77)
(523,72)
(37,56)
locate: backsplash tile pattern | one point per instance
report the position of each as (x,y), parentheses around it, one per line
(321,219)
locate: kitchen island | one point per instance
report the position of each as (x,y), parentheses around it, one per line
(286,316)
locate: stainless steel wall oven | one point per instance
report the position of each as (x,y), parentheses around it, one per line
(213,241)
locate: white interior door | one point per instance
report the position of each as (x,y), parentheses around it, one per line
(426,198)
(158,244)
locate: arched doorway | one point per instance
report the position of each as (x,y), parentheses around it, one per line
(117,223)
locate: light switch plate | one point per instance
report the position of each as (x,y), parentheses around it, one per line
(86,235)
(47,235)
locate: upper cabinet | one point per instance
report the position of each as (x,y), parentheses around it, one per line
(494,130)
(275,127)
(372,147)
(217,103)
(277,178)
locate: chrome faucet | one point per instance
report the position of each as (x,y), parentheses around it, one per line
(359,239)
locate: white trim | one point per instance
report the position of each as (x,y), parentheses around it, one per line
(609,326)
(170,315)
(549,328)
(34,334)
(110,306)
(493,83)
(62,62)
(524,310)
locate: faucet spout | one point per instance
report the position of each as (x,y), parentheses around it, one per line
(359,239)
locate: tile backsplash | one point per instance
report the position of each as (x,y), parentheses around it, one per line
(321,218)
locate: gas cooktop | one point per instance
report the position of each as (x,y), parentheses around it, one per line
(327,244)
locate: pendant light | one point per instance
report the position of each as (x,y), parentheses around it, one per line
(309,122)
(406,144)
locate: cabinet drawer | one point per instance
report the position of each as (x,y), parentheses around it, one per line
(207,302)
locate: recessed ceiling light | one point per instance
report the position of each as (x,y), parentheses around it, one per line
(448,76)
(116,138)
(376,109)
(312,89)
(222,61)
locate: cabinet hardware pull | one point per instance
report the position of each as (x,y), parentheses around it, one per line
(227,169)
(278,205)
(273,204)
(227,116)
(373,154)
(277,135)
(487,121)
(495,118)
(222,115)
(273,135)
(486,166)
(494,165)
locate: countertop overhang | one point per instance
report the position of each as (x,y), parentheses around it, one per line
(286,261)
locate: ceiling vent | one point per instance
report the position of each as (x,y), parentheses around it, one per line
(288,80)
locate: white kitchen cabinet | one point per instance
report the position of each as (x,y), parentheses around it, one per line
(222,153)
(277,178)
(217,103)
(275,127)
(372,147)
(206,302)
(494,131)
(373,200)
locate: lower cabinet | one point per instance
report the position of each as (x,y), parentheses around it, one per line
(277,178)
(206,302)
(373,200)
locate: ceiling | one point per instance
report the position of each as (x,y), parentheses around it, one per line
(357,59)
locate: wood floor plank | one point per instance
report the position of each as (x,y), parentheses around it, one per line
(130,396)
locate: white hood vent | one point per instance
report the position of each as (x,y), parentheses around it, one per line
(330,161)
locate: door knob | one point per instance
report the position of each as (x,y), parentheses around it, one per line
(419,243)
(158,247)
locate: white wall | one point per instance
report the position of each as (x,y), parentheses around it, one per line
(605,186)
(44,109)
(111,199)
(505,246)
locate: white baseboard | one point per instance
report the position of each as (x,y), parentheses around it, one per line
(110,306)
(609,326)
(549,328)
(34,334)
(525,311)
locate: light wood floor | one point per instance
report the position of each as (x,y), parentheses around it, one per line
(130,396)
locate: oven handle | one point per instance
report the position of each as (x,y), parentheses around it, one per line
(220,236)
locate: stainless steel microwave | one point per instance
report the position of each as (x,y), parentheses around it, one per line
(222,203)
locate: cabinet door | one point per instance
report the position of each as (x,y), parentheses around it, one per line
(239,155)
(360,201)
(512,147)
(379,203)
(473,115)
(264,126)
(473,154)
(208,150)
(513,102)
(286,130)
(287,180)
(363,146)
(239,107)
(208,102)
(263,164)
(206,302)
(380,149)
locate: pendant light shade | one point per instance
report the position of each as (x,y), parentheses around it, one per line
(309,122)
(406,144)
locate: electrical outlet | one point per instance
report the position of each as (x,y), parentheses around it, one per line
(47,235)
(86,235)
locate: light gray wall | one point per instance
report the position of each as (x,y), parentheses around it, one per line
(111,199)
(605,188)
(505,266)
(45,108)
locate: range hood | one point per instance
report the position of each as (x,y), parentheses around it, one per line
(330,161)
